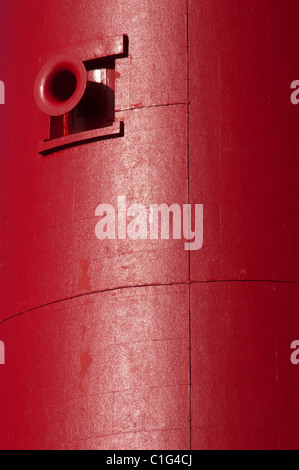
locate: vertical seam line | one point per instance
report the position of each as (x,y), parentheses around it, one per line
(188,196)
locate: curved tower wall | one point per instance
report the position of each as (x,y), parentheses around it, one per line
(141,344)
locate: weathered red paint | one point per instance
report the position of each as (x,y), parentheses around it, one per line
(138,344)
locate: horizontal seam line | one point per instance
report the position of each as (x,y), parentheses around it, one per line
(101,291)
(152,106)
(182,428)
(136,286)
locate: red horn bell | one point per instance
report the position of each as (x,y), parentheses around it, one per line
(60,85)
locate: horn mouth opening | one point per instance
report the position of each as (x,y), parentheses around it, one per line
(60,85)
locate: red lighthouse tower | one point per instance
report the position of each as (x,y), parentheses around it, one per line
(138,343)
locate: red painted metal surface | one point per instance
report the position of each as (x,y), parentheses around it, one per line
(138,344)
(244,167)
